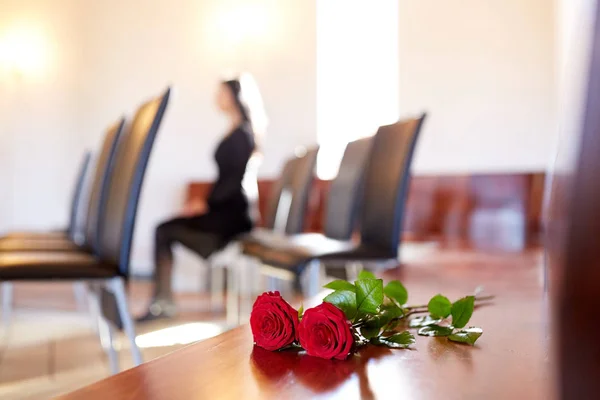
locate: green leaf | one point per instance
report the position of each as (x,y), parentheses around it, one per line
(300,311)
(396,290)
(345,300)
(392,310)
(425,320)
(397,341)
(435,330)
(462,310)
(376,323)
(439,306)
(390,327)
(364,274)
(369,295)
(341,285)
(468,336)
(369,331)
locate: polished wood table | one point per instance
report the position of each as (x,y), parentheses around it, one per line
(510,360)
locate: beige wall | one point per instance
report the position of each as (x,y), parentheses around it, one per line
(108,56)
(40,146)
(484,70)
(135,51)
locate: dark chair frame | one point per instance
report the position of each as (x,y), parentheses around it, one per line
(385,191)
(106,271)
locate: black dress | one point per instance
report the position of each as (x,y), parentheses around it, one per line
(228,205)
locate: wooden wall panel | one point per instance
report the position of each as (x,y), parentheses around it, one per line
(495,211)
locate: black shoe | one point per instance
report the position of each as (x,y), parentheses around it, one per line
(160,309)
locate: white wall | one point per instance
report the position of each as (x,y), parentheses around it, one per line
(40,146)
(575,24)
(357,74)
(133,49)
(484,70)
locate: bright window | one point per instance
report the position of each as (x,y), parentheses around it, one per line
(357,74)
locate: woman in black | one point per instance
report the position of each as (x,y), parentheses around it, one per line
(226,212)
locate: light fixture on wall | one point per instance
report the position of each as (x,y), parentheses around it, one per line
(23,53)
(244,22)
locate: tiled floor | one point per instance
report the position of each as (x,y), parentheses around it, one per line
(51,348)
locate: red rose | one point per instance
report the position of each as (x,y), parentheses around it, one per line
(273,321)
(324,332)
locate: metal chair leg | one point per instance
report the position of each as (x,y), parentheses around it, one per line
(233,305)
(352,270)
(313,278)
(103,328)
(79,291)
(248,291)
(107,338)
(118,289)
(271,283)
(217,282)
(93,306)
(7,299)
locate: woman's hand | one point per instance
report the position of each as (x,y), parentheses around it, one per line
(194,208)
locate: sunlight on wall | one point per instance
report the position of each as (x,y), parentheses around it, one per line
(24,52)
(238,28)
(244,21)
(357,74)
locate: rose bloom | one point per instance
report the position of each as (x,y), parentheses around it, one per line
(324,332)
(273,321)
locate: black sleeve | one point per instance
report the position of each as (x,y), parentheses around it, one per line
(232,162)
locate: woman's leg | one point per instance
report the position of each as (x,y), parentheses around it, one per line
(165,236)
(163,260)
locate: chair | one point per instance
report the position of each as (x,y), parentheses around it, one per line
(70,241)
(385,191)
(285,214)
(345,196)
(289,200)
(295,180)
(108,269)
(74,210)
(96,200)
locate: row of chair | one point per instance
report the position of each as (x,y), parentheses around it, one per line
(369,192)
(101,259)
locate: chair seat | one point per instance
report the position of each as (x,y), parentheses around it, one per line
(42,244)
(34,235)
(293,252)
(53,265)
(202,243)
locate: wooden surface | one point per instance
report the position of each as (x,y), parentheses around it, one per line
(574,215)
(510,360)
(487,211)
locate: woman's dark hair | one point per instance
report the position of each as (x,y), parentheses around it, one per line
(249,102)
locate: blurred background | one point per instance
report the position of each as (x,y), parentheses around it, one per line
(330,71)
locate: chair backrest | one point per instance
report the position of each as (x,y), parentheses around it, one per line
(284,182)
(117,224)
(100,183)
(345,192)
(386,184)
(78,199)
(302,179)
